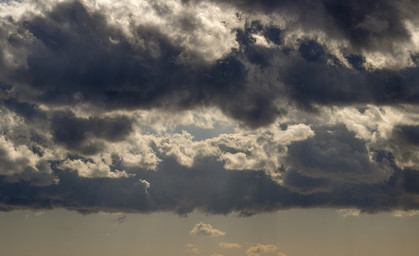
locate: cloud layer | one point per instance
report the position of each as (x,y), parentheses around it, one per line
(246,107)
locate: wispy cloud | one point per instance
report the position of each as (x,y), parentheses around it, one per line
(206,230)
(349,212)
(229,245)
(259,249)
(120,219)
(402,214)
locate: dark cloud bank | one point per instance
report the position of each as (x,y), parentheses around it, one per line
(71,60)
(209,188)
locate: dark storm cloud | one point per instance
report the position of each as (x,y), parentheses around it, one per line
(307,78)
(407,134)
(84,195)
(72,56)
(78,133)
(76,57)
(367,24)
(335,154)
(208,188)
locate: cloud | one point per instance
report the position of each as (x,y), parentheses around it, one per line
(132,79)
(207,187)
(229,245)
(402,214)
(333,153)
(81,134)
(259,249)
(246,106)
(20,163)
(349,212)
(362,23)
(91,169)
(206,229)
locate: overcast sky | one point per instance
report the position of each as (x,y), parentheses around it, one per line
(190,111)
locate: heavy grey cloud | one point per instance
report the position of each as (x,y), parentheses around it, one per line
(319,100)
(335,154)
(208,188)
(80,133)
(371,24)
(76,57)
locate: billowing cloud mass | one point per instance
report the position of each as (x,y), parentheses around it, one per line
(244,106)
(204,229)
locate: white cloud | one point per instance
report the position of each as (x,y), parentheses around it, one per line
(146,184)
(262,149)
(91,169)
(206,230)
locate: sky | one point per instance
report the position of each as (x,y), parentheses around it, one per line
(206,127)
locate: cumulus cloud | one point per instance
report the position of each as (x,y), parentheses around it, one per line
(260,249)
(206,229)
(91,169)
